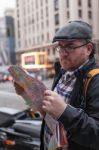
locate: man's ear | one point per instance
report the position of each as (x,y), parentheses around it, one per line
(89,48)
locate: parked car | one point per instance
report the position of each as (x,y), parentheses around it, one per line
(5,76)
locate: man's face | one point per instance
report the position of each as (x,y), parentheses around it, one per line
(70,57)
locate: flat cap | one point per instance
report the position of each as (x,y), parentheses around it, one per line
(74,30)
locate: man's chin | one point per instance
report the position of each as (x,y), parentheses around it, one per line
(67,68)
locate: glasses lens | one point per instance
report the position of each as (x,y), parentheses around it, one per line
(69,49)
(65,49)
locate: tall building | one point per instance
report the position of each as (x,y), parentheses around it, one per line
(10,34)
(3,51)
(38,20)
(7,39)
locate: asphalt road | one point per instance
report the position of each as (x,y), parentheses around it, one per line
(9,98)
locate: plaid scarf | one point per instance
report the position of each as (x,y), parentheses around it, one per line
(65,85)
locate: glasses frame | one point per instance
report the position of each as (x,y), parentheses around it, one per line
(69,49)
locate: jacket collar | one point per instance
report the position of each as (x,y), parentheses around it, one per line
(86,68)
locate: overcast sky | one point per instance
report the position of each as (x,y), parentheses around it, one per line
(6,4)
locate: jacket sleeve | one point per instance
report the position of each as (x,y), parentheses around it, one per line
(83,125)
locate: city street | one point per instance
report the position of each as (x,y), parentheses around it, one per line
(8,97)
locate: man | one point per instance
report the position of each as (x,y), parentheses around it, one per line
(67,103)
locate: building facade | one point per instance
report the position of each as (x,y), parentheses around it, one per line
(37,21)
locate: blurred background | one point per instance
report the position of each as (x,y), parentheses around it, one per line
(27,28)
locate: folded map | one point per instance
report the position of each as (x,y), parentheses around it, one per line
(34,95)
(32,86)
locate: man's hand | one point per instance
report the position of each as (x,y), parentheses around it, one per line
(19,90)
(53,103)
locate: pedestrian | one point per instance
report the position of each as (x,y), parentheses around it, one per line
(66,102)
(57,66)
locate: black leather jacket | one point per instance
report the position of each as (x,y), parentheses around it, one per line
(81,117)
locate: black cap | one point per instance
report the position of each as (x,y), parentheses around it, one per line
(74,30)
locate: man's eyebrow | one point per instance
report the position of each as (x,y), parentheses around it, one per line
(68,44)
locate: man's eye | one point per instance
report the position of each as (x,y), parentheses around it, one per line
(69,47)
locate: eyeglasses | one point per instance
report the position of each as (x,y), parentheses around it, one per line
(68,49)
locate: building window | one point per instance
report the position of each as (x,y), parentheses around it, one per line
(17,3)
(80,13)
(33,41)
(42,25)
(89,3)
(18,24)
(36,4)
(42,37)
(41,2)
(37,16)
(47,35)
(38,39)
(89,14)
(29,41)
(67,3)
(47,23)
(18,34)
(33,20)
(17,13)
(56,19)
(24,11)
(46,11)
(34,28)
(41,13)
(19,44)
(79,2)
(28,9)
(68,14)
(37,27)
(28,20)
(56,5)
